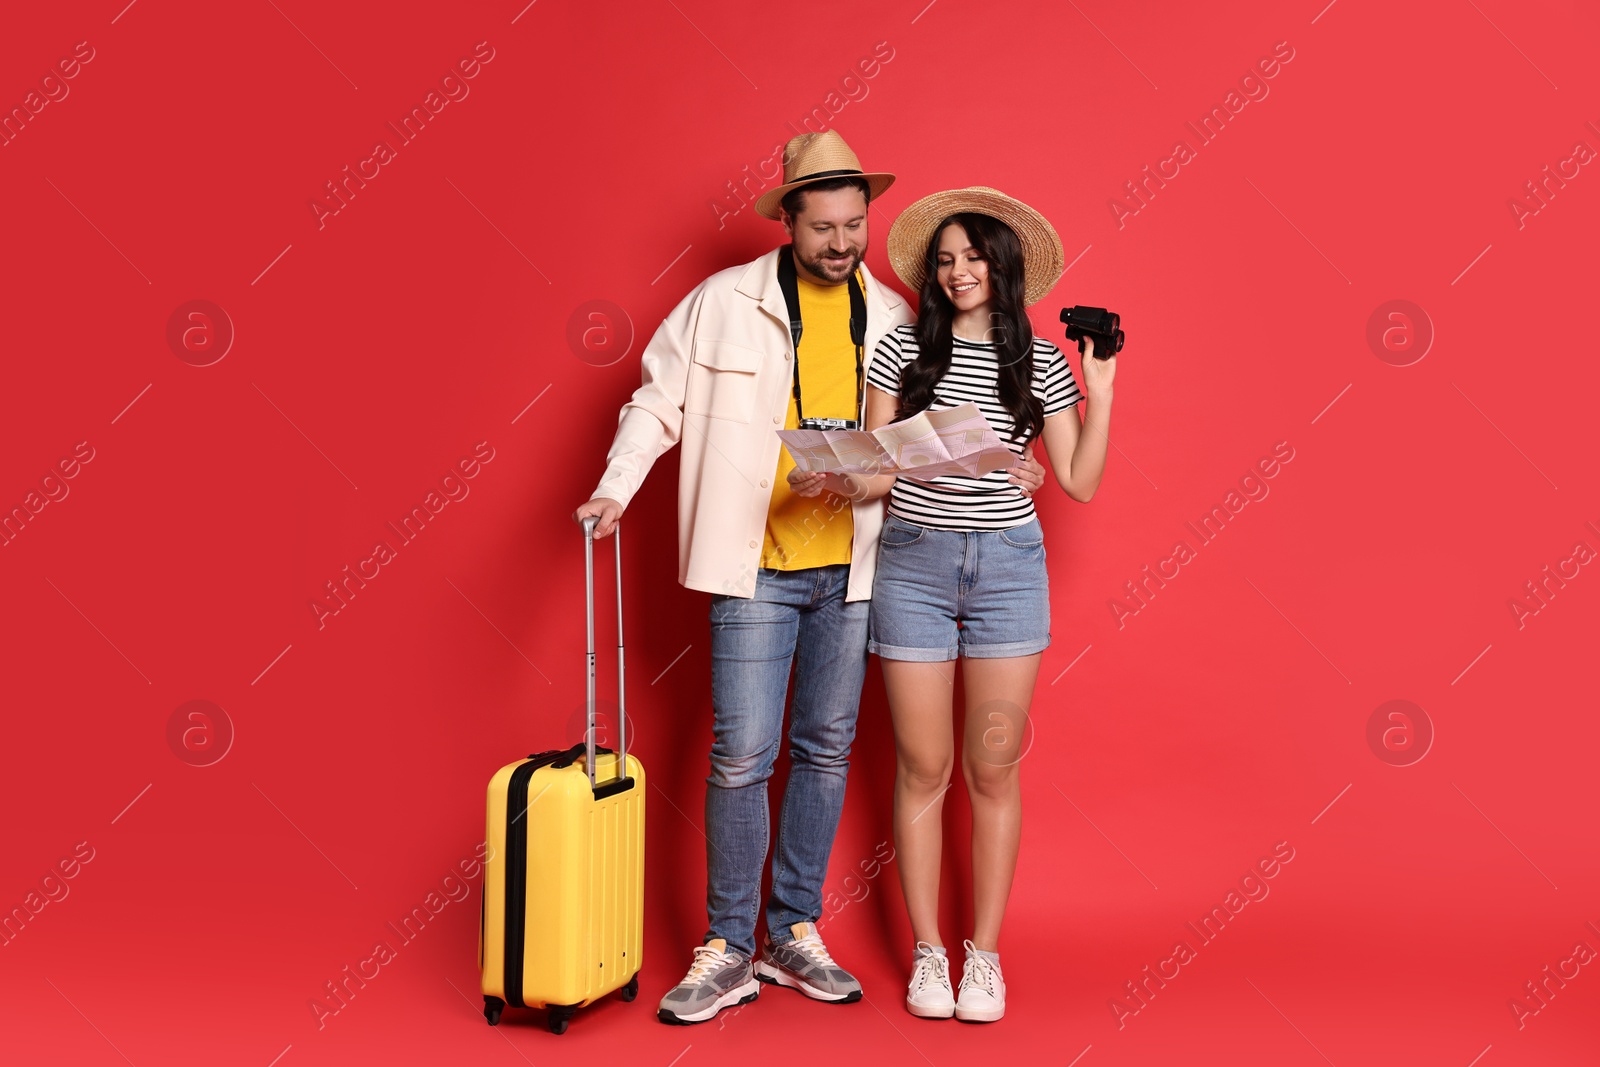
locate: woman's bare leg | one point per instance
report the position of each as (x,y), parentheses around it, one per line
(920,699)
(998,694)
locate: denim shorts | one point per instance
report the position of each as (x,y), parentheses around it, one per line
(992,582)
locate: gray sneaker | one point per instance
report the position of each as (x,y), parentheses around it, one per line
(717,979)
(804,964)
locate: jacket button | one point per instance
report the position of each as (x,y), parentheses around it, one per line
(763,483)
(777,420)
(753,545)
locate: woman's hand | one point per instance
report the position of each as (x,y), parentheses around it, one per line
(1097,373)
(1028,473)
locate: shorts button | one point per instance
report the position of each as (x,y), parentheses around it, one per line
(763,483)
(752,544)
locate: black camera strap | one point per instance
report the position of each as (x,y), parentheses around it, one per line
(788,281)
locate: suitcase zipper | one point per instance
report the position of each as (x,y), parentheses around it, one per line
(517,862)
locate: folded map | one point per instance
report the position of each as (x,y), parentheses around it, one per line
(957,440)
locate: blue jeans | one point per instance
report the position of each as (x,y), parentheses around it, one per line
(797,617)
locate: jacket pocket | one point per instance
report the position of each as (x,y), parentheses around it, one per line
(722,381)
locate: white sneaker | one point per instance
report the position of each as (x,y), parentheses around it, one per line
(929,994)
(983,991)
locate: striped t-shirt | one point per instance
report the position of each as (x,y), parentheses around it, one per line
(957,502)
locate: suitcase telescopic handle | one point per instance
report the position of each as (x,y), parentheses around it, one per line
(589,523)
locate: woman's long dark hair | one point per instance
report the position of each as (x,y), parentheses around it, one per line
(997,243)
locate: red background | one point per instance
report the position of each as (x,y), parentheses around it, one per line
(371,354)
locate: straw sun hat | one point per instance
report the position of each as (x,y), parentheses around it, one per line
(1042,257)
(816,157)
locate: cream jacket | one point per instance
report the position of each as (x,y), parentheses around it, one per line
(718,375)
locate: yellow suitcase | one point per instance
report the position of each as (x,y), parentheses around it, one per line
(562,919)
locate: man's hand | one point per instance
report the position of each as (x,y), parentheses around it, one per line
(818,482)
(1028,473)
(812,483)
(605,509)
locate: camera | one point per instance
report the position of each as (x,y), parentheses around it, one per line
(829,424)
(1097,323)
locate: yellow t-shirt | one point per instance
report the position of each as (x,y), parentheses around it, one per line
(816,531)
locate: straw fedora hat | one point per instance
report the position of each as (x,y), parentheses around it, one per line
(816,157)
(1042,258)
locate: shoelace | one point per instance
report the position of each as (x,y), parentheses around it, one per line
(815,950)
(706,960)
(932,970)
(979,972)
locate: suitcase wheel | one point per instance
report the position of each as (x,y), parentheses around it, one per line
(631,990)
(492,1007)
(559,1017)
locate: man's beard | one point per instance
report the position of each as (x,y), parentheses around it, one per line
(834,270)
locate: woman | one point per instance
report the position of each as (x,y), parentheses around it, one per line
(961,562)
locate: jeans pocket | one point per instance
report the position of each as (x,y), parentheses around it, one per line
(898,533)
(1029,535)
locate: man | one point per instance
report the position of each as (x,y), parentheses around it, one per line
(790,576)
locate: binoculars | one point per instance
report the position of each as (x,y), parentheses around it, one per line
(1098,323)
